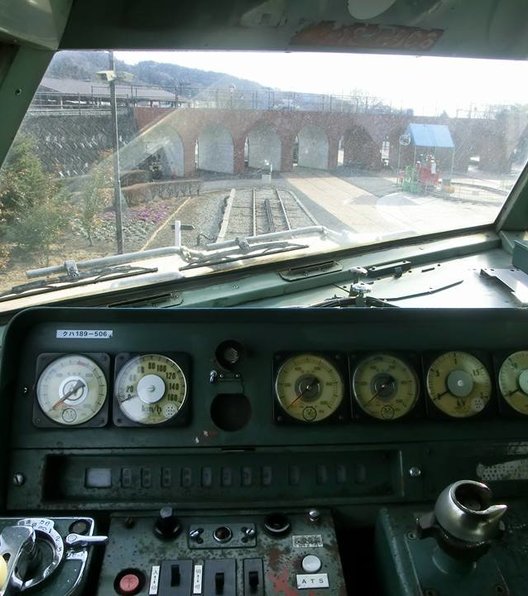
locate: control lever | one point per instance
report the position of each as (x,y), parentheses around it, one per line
(80,541)
(464,523)
(17,548)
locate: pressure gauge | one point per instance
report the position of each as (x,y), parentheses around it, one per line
(513,381)
(71,390)
(385,387)
(309,388)
(458,384)
(150,389)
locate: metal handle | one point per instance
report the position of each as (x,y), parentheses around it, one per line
(80,541)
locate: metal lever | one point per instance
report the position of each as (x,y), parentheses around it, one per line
(80,541)
(18,543)
(464,522)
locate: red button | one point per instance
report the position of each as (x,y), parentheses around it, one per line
(129,584)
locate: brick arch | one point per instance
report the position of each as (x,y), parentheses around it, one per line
(359,150)
(264,146)
(313,147)
(216,149)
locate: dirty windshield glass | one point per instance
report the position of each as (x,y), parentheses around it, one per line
(125,152)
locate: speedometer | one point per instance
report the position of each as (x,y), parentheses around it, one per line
(150,389)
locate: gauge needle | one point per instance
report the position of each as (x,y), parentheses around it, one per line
(307,388)
(76,387)
(441,395)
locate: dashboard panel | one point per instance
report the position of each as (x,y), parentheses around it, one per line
(113,411)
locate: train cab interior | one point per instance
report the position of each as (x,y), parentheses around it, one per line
(264,277)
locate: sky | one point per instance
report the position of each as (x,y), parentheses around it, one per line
(426,84)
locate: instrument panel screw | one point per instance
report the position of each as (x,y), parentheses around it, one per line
(25,390)
(415,472)
(314,515)
(18,479)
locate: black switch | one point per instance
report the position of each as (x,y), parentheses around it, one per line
(176,578)
(219,582)
(253,580)
(175,575)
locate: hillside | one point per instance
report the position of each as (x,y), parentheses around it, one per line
(84,65)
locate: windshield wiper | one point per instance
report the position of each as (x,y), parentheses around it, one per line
(242,250)
(251,247)
(71,280)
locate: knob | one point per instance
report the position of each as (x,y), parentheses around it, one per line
(464,523)
(277,524)
(167,525)
(464,511)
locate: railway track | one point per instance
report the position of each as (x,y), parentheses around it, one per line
(257,211)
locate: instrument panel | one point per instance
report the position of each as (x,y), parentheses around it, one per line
(108,407)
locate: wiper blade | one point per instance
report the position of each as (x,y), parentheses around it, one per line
(52,284)
(250,247)
(240,252)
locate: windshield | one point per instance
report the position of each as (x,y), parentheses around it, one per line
(136,151)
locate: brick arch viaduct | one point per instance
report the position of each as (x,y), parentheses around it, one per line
(320,136)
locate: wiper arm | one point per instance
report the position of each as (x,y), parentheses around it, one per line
(241,251)
(250,247)
(70,280)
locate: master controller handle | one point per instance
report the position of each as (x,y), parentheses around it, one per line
(463,522)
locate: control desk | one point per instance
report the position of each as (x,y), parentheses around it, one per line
(200,452)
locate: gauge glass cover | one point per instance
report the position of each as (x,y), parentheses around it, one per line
(151,389)
(71,390)
(458,384)
(513,381)
(309,388)
(385,387)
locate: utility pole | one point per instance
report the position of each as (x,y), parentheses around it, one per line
(115,146)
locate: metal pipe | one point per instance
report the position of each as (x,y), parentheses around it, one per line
(117,174)
(270,236)
(107,261)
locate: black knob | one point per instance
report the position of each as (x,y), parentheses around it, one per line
(167,525)
(277,524)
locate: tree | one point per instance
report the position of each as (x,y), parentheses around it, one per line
(95,195)
(21,179)
(30,202)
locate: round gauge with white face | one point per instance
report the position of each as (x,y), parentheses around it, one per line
(309,387)
(513,381)
(151,389)
(458,384)
(71,390)
(385,387)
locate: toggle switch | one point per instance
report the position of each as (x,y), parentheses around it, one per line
(220,578)
(253,577)
(175,576)
(219,582)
